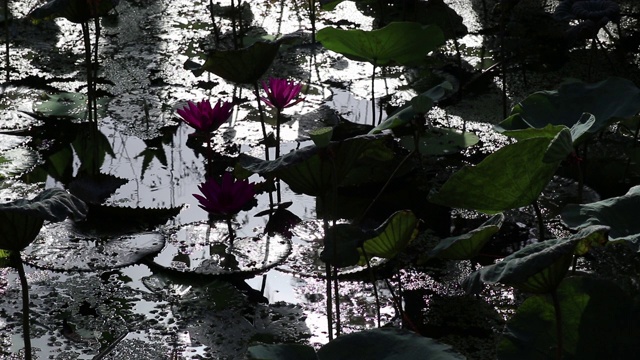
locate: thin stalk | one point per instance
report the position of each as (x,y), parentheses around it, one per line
(216,29)
(536,208)
(329,296)
(373,96)
(26,327)
(559,336)
(87,59)
(312,17)
(261,112)
(336,295)
(278,114)
(384,186)
(233,25)
(6,41)
(373,282)
(232,234)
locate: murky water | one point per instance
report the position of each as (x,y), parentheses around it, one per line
(153,310)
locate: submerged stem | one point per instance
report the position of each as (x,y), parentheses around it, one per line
(26,327)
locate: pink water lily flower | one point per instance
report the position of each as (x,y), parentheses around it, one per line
(224,197)
(202,117)
(281,93)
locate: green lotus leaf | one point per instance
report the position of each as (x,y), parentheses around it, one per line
(559,148)
(404,43)
(68,105)
(282,352)
(440,141)
(537,268)
(408,112)
(310,170)
(607,100)
(341,245)
(76,11)
(468,245)
(393,236)
(599,321)
(242,66)
(21,220)
(5,258)
(510,178)
(386,344)
(620,213)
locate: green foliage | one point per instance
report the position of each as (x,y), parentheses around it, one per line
(599,321)
(68,105)
(440,141)
(468,245)
(607,100)
(22,219)
(317,171)
(392,237)
(242,66)
(510,178)
(620,213)
(341,245)
(76,11)
(403,43)
(377,344)
(538,268)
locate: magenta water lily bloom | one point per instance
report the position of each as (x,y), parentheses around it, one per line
(202,117)
(281,93)
(225,197)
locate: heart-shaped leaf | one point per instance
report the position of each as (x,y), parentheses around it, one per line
(242,66)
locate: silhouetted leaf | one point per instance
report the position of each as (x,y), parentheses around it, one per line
(468,245)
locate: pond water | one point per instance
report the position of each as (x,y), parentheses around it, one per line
(154,282)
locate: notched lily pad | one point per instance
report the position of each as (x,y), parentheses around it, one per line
(102,218)
(199,248)
(63,247)
(95,189)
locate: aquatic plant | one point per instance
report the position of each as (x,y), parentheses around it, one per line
(21,221)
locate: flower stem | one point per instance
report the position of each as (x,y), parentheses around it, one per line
(232,235)
(373,96)
(26,329)
(261,112)
(329,296)
(6,41)
(87,59)
(278,194)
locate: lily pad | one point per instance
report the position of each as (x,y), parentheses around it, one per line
(201,249)
(607,100)
(538,268)
(620,213)
(62,247)
(68,105)
(468,245)
(243,66)
(598,322)
(404,43)
(76,11)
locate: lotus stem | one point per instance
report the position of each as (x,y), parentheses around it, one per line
(233,25)
(278,115)
(559,336)
(6,41)
(373,282)
(26,327)
(373,96)
(329,300)
(541,231)
(336,295)
(232,235)
(87,59)
(261,112)
(312,17)
(384,186)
